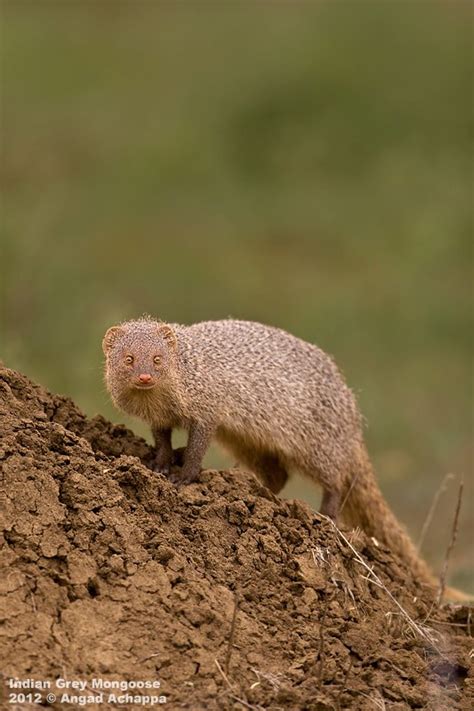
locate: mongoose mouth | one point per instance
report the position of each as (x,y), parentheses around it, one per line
(144,386)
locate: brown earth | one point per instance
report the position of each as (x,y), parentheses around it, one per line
(111,572)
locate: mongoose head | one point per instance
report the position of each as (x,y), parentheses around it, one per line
(139,357)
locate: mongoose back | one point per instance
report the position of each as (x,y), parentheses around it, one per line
(275,401)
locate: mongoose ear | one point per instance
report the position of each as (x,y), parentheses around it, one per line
(168,334)
(110,338)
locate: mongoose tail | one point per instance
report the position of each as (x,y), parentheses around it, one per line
(366,507)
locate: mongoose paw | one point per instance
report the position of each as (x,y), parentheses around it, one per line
(180,477)
(162,464)
(162,469)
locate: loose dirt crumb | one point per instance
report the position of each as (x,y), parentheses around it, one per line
(112,572)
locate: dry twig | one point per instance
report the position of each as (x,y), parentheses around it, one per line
(321,640)
(246,704)
(232,633)
(344,683)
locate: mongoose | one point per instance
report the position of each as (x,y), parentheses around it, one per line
(275,401)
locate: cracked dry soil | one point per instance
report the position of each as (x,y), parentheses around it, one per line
(110,571)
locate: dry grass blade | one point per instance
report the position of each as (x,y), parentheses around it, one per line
(231,689)
(348,493)
(429,517)
(452,541)
(150,656)
(273,679)
(373,577)
(379,703)
(223,674)
(319,555)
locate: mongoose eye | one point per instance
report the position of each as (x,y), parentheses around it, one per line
(129,360)
(157,360)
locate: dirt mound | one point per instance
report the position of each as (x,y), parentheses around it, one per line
(228,596)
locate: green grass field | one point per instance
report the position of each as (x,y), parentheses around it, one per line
(302,164)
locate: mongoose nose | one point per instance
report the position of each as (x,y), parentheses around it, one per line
(144,377)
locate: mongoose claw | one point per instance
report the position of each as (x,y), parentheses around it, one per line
(162,469)
(180,477)
(162,465)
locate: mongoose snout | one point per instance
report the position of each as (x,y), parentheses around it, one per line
(145,381)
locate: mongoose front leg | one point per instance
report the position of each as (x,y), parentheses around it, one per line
(163,450)
(199,438)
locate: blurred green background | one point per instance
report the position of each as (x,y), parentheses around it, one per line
(302,164)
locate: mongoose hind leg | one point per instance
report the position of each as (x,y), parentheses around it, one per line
(330,503)
(320,469)
(272,473)
(266,466)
